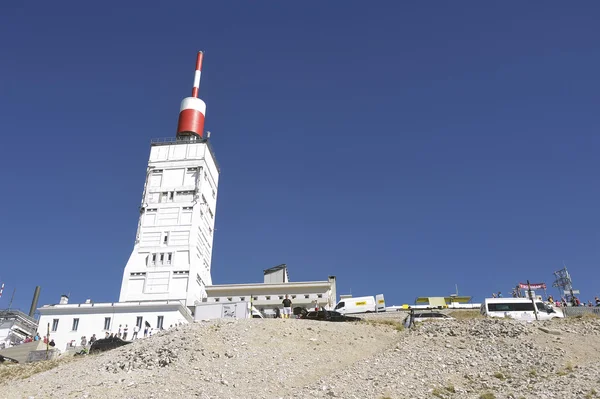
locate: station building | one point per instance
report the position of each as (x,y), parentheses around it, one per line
(168,272)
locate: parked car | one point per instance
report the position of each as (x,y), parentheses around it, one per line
(107,344)
(7,359)
(518,308)
(419,317)
(328,315)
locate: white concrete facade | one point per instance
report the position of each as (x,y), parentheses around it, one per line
(72,321)
(171,258)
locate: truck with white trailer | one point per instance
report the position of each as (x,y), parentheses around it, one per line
(362,304)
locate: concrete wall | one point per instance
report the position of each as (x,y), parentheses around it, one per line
(171,259)
(21,352)
(269,296)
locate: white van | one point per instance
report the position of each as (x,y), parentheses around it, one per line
(361,304)
(518,308)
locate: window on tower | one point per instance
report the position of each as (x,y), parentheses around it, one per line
(169,258)
(156,178)
(165,240)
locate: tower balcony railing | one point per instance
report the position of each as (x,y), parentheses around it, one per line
(185,140)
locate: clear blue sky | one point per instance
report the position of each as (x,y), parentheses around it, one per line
(404,148)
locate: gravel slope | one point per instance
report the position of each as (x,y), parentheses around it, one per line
(307,359)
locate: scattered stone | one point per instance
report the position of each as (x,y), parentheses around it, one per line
(303,359)
(549,331)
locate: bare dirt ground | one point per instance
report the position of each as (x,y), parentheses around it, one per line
(271,358)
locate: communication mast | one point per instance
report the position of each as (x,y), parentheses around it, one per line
(193,109)
(564,283)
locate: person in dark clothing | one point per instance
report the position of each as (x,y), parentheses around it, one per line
(287,307)
(52,343)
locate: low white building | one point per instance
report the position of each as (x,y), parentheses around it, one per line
(69,322)
(269,295)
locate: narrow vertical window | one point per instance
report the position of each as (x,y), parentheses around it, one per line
(159,322)
(75,325)
(138,322)
(107,323)
(54,325)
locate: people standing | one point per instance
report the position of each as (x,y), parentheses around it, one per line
(145,331)
(499,294)
(119,332)
(93,339)
(136,329)
(125,330)
(287,307)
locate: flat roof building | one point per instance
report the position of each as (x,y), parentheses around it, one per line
(268,295)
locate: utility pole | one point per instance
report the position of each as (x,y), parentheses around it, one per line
(11,298)
(47,340)
(532,300)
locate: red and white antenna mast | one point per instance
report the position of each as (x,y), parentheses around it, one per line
(193,110)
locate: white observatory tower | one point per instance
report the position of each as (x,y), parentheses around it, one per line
(171,258)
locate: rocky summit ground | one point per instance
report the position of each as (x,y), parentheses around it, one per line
(470,358)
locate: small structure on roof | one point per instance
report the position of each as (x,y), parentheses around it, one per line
(276,274)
